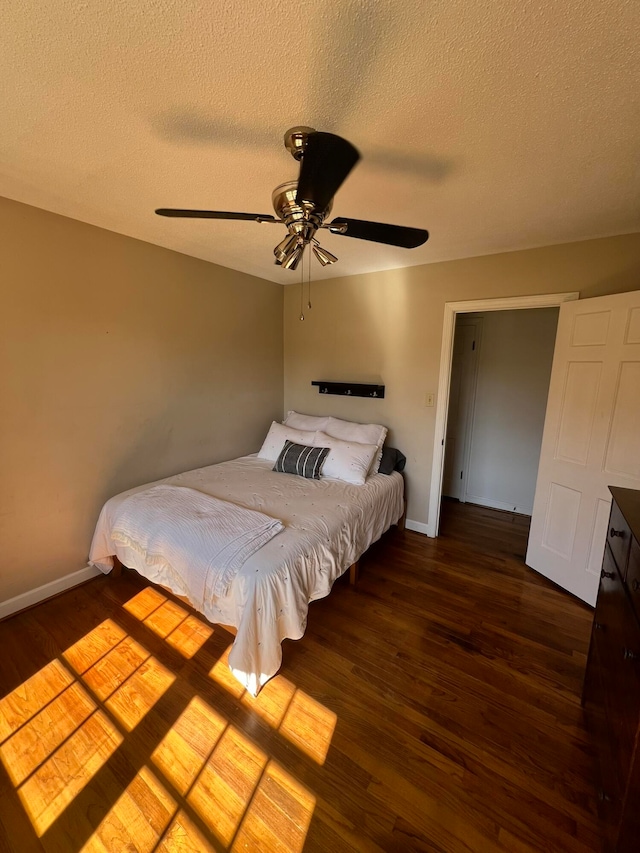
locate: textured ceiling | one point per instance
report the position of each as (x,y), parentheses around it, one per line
(496,125)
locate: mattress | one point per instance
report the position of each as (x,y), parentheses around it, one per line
(329,524)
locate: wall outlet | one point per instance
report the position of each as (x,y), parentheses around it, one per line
(430,399)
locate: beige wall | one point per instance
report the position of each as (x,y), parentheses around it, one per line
(120,363)
(387,327)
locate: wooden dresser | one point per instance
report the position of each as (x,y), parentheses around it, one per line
(611,694)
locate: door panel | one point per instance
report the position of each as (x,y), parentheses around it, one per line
(622,456)
(591,438)
(578,411)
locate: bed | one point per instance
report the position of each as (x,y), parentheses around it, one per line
(328,525)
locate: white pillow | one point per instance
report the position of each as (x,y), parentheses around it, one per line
(347,460)
(310,422)
(276,437)
(362,433)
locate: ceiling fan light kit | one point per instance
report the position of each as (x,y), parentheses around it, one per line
(304,205)
(323,255)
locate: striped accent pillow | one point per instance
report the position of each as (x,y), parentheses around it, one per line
(301,460)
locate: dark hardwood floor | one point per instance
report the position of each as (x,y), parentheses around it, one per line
(435,708)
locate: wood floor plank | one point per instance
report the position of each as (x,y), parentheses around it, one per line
(435,708)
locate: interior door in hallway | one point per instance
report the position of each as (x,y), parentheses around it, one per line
(591,438)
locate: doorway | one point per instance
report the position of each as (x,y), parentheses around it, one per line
(500,376)
(446,386)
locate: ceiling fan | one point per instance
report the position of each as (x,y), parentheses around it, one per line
(303,205)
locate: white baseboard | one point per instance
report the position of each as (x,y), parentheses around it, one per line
(418,526)
(47,590)
(475,499)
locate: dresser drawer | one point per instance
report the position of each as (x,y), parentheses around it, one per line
(633,576)
(619,538)
(616,637)
(609,787)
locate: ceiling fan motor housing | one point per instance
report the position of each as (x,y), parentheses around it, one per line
(302,219)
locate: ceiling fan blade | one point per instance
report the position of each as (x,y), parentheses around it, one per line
(213,214)
(326,162)
(379,232)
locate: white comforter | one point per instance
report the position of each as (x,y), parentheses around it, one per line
(204,540)
(328,526)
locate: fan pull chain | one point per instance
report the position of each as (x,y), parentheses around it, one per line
(309,283)
(302,289)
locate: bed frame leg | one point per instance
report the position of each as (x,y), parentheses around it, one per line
(403,520)
(354,569)
(117,568)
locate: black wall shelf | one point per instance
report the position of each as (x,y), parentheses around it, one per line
(351,389)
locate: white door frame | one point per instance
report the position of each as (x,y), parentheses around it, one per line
(451,310)
(468,426)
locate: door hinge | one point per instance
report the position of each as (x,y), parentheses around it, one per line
(473,345)
(460,474)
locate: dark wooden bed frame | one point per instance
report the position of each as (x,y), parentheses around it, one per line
(354,568)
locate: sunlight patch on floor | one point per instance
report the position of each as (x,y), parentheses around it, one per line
(50,789)
(120,671)
(302,720)
(137,820)
(226,784)
(171,622)
(183,751)
(140,692)
(225,678)
(17,707)
(165,618)
(273,700)
(55,737)
(309,725)
(189,637)
(183,836)
(37,739)
(279,815)
(242,797)
(94,645)
(112,670)
(143,603)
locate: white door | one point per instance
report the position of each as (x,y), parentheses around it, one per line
(591,438)
(464,374)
